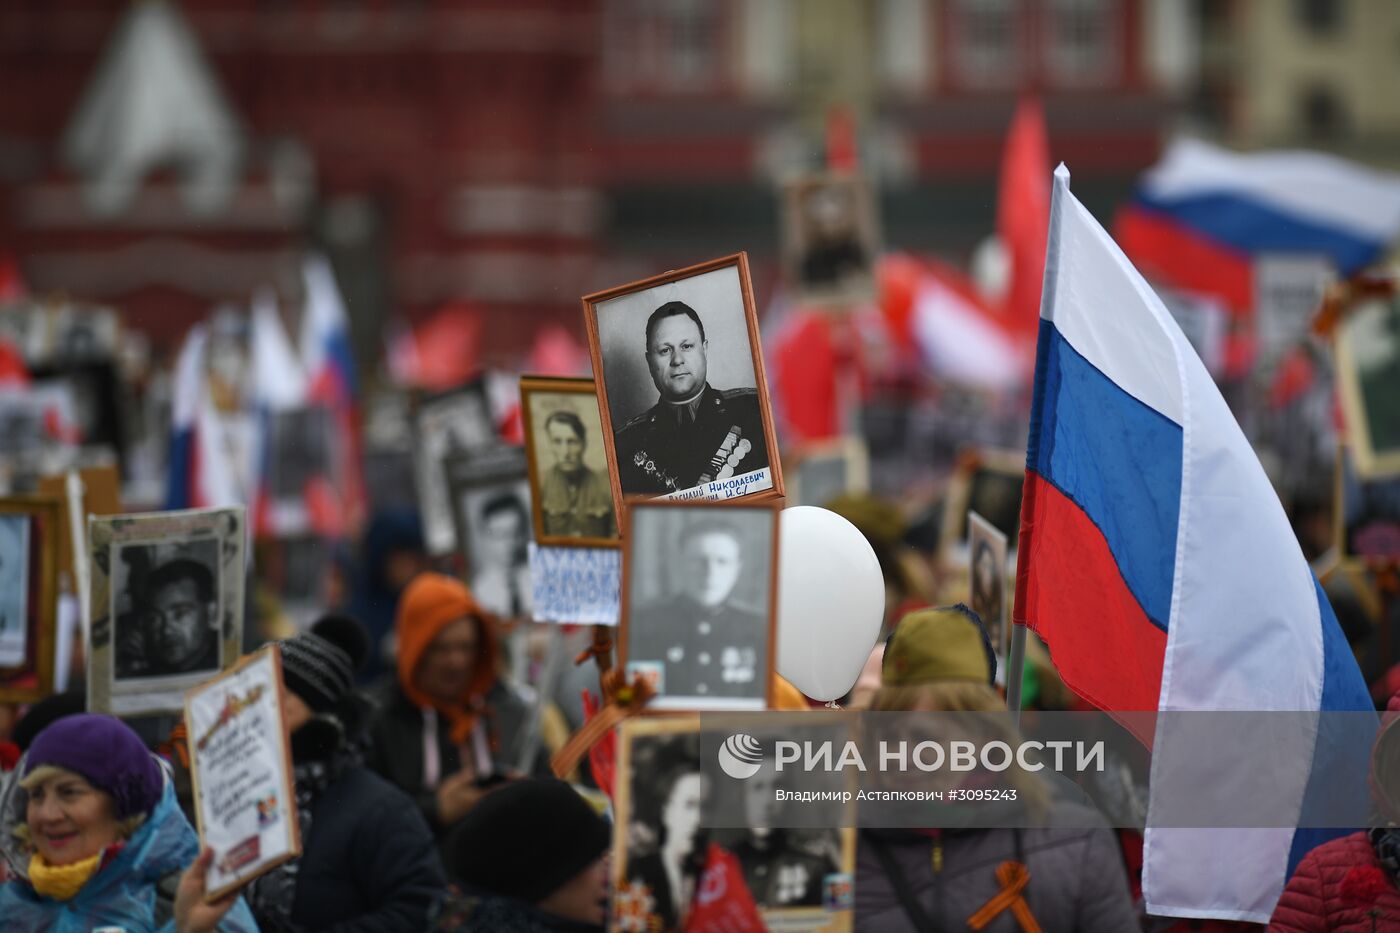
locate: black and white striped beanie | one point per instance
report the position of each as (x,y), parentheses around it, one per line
(319,665)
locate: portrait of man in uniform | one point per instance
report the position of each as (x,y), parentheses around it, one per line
(683,385)
(699,604)
(573,501)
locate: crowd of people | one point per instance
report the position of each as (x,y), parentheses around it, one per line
(425,800)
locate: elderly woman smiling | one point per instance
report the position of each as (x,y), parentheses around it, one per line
(107,840)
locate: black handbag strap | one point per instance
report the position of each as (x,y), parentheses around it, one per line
(907,899)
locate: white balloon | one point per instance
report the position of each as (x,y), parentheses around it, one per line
(831,601)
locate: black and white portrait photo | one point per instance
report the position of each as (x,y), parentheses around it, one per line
(674,802)
(830,239)
(300,455)
(167,598)
(491,503)
(451,424)
(698,601)
(14,588)
(683,394)
(663,854)
(573,501)
(986,548)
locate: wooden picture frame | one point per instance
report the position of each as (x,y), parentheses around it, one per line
(852,451)
(694,739)
(673,612)
(666,470)
(271,696)
(132,669)
(1001,471)
(1364,383)
(852,246)
(534,391)
(441,429)
(39,521)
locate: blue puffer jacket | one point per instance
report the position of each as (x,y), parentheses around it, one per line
(123,894)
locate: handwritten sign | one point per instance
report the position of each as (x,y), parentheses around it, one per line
(577,585)
(728,488)
(245,802)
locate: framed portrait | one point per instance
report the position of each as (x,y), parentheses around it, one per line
(300,456)
(167,606)
(1368,374)
(699,602)
(986,572)
(830,239)
(1367,514)
(490,496)
(682,391)
(989,483)
(30,529)
(570,493)
(449,424)
(824,470)
(675,810)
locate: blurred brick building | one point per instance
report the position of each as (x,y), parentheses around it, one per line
(514,154)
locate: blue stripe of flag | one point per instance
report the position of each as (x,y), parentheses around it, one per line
(1117,459)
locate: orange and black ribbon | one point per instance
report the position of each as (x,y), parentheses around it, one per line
(623,701)
(1014,876)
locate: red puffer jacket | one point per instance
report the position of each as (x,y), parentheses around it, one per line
(1339,886)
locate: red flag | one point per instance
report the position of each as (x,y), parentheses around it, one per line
(602,757)
(13,373)
(1023,213)
(722,901)
(805,385)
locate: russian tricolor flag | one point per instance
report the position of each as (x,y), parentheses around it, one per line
(329,364)
(1158,565)
(1202,213)
(205,468)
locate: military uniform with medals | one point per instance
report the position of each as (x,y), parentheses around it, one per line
(670,447)
(582,509)
(704,650)
(788,871)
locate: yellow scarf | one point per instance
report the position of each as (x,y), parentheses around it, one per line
(61,882)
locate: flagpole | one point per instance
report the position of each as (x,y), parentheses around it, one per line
(1014,663)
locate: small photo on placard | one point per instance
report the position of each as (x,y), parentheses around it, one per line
(830,240)
(450,424)
(241,769)
(490,496)
(986,549)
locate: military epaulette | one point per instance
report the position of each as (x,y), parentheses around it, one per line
(638,419)
(738,393)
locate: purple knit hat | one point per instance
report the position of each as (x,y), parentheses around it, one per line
(105,751)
